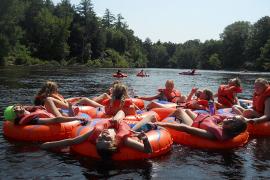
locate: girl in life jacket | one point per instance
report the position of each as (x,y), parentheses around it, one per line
(49,95)
(109,135)
(227,94)
(169,95)
(200,102)
(107,95)
(32,115)
(260,111)
(211,127)
(119,101)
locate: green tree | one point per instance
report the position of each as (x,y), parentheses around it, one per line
(108,19)
(234,40)
(264,59)
(187,55)
(11,33)
(214,62)
(209,48)
(119,24)
(51,36)
(259,35)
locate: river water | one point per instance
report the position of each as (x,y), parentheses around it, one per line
(26,160)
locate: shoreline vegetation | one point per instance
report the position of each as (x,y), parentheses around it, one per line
(38,32)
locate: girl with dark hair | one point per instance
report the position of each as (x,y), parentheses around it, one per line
(211,127)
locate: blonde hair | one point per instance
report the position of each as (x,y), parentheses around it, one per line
(119,92)
(262,81)
(48,88)
(169,82)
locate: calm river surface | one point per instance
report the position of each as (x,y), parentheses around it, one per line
(20,160)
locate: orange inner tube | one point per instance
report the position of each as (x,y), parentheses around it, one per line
(52,132)
(259,130)
(160,141)
(203,143)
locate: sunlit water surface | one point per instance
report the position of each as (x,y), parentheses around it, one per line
(27,160)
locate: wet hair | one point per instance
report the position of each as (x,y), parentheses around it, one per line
(48,88)
(237,126)
(262,81)
(236,81)
(106,153)
(209,94)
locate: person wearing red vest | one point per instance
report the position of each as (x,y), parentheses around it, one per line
(211,127)
(49,96)
(108,135)
(169,94)
(119,101)
(227,94)
(260,111)
(200,101)
(32,115)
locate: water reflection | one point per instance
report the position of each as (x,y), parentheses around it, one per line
(262,158)
(115,169)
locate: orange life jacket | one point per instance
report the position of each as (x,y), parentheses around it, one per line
(202,102)
(171,96)
(37,113)
(122,130)
(259,100)
(226,95)
(112,109)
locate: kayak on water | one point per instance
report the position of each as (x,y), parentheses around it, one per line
(120,75)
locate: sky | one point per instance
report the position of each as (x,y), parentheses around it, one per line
(180,20)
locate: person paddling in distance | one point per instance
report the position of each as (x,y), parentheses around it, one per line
(49,95)
(211,127)
(109,135)
(32,115)
(141,73)
(119,72)
(260,112)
